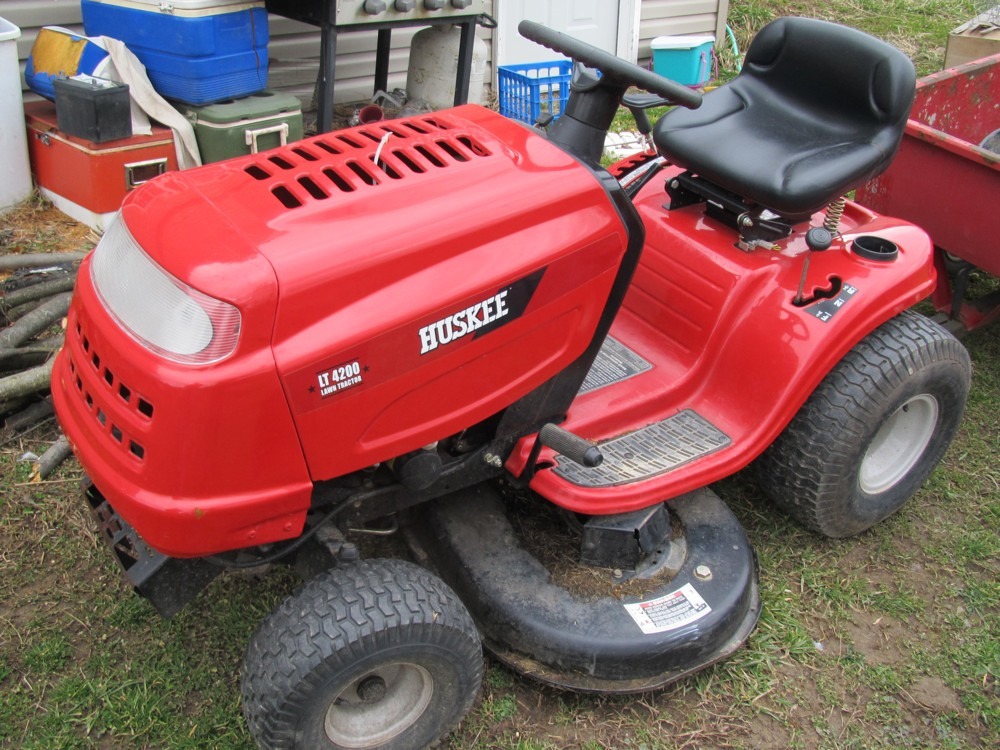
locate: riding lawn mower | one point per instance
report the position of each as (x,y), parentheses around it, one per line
(449,323)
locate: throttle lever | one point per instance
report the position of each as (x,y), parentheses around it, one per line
(637,104)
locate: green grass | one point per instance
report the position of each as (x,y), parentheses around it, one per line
(918,27)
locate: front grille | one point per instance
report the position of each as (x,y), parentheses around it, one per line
(97,385)
(325,165)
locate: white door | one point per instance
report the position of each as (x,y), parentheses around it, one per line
(607,24)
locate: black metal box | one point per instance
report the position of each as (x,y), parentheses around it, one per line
(94,109)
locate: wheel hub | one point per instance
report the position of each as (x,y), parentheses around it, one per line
(899,444)
(372,689)
(379,705)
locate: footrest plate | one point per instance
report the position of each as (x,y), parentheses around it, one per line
(657,449)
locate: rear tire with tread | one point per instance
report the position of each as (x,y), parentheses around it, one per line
(379,653)
(872,431)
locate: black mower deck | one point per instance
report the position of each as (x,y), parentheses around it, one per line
(681,623)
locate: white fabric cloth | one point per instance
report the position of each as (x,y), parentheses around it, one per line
(123,66)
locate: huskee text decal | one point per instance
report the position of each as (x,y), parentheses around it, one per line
(464,322)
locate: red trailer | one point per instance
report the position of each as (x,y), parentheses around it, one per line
(946,178)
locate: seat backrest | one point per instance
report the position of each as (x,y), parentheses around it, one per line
(833,70)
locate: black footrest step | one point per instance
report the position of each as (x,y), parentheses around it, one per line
(661,447)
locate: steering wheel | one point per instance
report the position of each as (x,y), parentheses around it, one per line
(623,72)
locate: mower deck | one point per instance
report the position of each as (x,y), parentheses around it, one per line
(699,605)
(712,354)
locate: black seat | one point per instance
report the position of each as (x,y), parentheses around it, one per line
(817,110)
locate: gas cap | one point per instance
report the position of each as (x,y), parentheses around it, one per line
(374,7)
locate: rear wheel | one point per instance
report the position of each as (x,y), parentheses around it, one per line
(380,653)
(873,430)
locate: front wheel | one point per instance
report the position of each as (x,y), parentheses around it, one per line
(378,654)
(873,430)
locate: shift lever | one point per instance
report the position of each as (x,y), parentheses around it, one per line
(818,239)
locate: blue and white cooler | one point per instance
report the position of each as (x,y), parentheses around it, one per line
(195,51)
(686,60)
(60,53)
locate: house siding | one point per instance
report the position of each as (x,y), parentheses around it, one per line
(294,46)
(680,17)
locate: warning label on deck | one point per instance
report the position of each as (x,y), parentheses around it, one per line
(669,612)
(615,362)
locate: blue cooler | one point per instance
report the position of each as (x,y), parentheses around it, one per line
(684,59)
(195,51)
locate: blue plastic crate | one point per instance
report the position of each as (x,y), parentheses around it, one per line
(530,90)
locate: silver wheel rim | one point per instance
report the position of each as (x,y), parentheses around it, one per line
(379,705)
(899,444)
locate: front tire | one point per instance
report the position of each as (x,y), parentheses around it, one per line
(873,431)
(378,654)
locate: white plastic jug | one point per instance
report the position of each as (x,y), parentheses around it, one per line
(15,174)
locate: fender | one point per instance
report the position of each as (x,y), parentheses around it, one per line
(726,339)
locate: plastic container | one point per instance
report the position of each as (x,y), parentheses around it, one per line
(684,59)
(243,126)
(529,90)
(195,51)
(59,53)
(433,67)
(15,174)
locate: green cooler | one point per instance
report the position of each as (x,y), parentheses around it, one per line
(245,126)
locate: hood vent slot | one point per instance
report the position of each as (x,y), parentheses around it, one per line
(337,180)
(346,161)
(305,153)
(279,162)
(430,156)
(313,189)
(411,164)
(257,172)
(286,196)
(366,177)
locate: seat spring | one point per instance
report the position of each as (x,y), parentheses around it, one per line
(833,214)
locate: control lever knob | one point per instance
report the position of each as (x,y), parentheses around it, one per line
(434,4)
(461,3)
(405,6)
(819,238)
(374,7)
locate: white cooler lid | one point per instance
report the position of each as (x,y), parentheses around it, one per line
(8,31)
(187,8)
(681,42)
